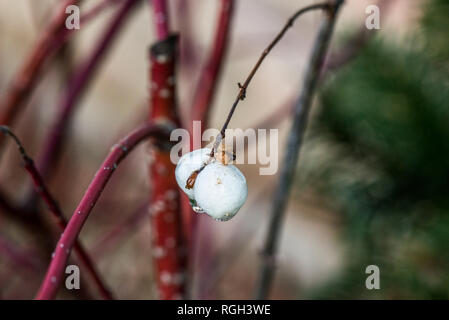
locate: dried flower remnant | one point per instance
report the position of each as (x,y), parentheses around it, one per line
(187,167)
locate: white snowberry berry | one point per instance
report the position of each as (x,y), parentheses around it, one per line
(220,190)
(187,165)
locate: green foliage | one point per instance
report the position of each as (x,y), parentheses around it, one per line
(385,118)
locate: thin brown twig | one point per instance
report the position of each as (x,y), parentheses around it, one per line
(337,59)
(242,92)
(294,143)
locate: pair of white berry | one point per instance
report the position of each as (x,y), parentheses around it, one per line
(219,190)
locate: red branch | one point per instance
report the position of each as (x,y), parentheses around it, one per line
(22,84)
(54,208)
(205,89)
(160,16)
(168,242)
(119,151)
(50,42)
(77,86)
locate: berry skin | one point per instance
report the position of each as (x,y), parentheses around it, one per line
(220,190)
(189,163)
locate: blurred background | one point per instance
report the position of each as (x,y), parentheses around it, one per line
(372,181)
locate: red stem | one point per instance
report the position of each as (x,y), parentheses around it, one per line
(54,208)
(166,222)
(78,84)
(119,151)
(160,16)
(206,87)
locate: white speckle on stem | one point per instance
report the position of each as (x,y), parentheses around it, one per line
(162,58)
(166,277)
(171,194)
(164,93)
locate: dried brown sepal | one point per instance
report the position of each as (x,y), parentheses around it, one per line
(191,180)
(224,156)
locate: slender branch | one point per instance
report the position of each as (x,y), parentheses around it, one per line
(160,15)
(54,208)
(294,143)
(98,8)
(49,43)
(77,86)
(207,84)
(119,151)
(242,92)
